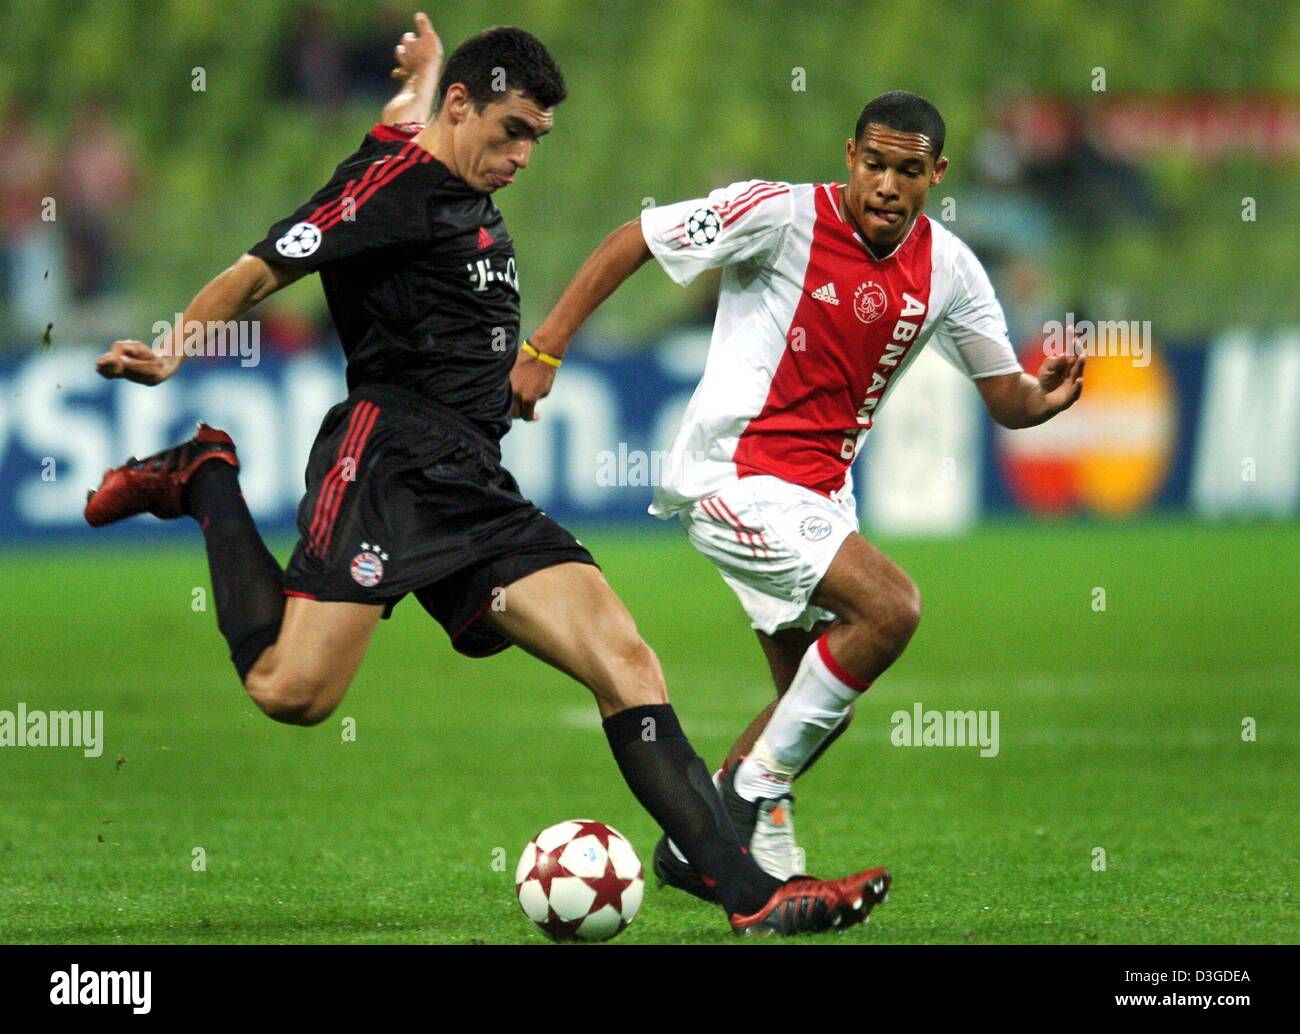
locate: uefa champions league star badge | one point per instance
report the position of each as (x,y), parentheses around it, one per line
(368,567)
(299,241)
(702,226)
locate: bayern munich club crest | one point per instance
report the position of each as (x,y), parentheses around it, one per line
(869,301)
(368,566)
(702,226)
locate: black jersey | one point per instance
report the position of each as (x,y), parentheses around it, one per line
(419,274)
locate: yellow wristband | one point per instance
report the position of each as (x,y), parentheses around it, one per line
(545,357)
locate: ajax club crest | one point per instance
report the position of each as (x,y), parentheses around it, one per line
(869,302)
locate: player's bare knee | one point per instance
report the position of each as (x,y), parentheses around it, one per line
(887,620)
(905,611)
(897,618)
(634,676)
(294,699)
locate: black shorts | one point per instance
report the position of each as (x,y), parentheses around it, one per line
(404,496)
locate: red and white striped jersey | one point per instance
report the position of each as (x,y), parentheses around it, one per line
(812,332)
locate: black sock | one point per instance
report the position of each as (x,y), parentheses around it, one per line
(247,583)
(673,784)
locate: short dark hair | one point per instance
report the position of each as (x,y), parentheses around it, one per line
(907,113)
(527,65)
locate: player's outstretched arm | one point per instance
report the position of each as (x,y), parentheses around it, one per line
(619,255)
(226,297)
(419,65)
(1019,400)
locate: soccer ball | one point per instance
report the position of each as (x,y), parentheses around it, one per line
(579,880)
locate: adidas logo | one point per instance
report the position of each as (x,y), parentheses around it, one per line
(826,293)
(484,238)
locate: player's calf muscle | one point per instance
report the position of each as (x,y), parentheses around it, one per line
(569,617)
(870,637)
(617,665)
(289,696)
(624,671)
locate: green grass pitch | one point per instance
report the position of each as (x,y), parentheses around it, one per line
(1119,729)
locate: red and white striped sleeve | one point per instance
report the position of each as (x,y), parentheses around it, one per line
(744,222)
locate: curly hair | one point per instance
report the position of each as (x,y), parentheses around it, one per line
(502,59)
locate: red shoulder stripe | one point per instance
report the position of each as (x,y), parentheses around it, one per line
(359,191)
(399,131)
(746,195)
(735,213)
(327,208)
(391,171)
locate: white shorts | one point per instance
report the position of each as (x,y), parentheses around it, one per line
(772,543)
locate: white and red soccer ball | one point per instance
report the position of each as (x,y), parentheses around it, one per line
(579,880)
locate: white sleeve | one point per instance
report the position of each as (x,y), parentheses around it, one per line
(744,222)
(973,333)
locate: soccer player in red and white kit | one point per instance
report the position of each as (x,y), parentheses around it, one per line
(829,291)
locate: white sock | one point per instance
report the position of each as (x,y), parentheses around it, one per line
(813,707)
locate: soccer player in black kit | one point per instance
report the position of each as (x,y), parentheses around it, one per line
(405,489)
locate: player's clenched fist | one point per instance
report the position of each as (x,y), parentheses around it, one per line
(137,362)
(530,381)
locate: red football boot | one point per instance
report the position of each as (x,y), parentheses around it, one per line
(155,484)
(807,905)
(861,893)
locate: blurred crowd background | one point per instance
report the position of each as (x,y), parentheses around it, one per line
(1127,197)
(1118,161)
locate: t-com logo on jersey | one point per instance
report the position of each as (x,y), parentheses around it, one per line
(299,241)
(702,226)
(869,301)
(482,275)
